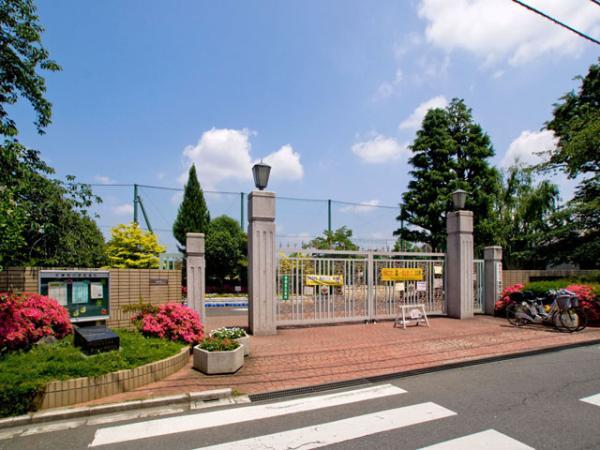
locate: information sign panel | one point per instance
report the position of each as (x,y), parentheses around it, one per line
(85,294)
(402,274)
(324,280)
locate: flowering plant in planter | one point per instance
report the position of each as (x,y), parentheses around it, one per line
(26,318)
(171,321)
(214,344)
(215,355)
(236,333)
(228,333)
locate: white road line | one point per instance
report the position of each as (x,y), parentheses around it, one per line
(593,399)
(342,430)
(180,424)
(485,440)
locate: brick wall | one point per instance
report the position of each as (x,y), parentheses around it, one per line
(510,277)
(127,286)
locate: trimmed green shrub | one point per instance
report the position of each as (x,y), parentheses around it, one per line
(24,374)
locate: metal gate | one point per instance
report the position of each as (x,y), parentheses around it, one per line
(478,284)
(328,286)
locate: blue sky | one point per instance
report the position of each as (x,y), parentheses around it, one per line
(328,92)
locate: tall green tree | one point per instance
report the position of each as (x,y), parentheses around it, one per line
(525,212)
(450,152)
(576,124)
(193,215)
(226,252)
(43,221)
(340,239)
(22,55)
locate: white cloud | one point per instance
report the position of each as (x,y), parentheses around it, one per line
(414,121)
(285,164)
(124,209)
(379,149)
(103,179)
(363,208)
(388,88)
(525,148)
(498,30)
(225,154)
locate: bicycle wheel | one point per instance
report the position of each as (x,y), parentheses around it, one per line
(582,318)
(512,314)
(571,319)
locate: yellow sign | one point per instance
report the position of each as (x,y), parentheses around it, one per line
(402,274)
(324,280)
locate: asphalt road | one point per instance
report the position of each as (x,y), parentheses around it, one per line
(533,401)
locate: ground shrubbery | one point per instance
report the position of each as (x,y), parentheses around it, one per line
(170,321)
(24,374)
(26,318)
(587,293)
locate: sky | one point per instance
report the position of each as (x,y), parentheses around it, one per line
(329,93)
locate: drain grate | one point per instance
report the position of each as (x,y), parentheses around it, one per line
(307,389)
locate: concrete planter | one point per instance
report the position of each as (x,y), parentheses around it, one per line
(245,341)
(212,363)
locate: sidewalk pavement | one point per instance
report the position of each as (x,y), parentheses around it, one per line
(303,357)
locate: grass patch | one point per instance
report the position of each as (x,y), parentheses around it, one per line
(23,375)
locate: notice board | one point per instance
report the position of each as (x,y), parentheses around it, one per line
(85,294)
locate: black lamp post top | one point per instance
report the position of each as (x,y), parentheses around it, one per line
(261,172)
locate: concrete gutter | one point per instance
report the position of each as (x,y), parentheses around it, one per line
(191,400)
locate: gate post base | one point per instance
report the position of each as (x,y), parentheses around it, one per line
(262,308)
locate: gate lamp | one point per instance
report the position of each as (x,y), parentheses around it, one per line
(261,172)
(459,197)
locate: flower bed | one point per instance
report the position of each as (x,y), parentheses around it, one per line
(26,318)
(24,374)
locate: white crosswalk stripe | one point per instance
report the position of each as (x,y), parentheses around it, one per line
(342,430)
(193,422)
(592,399)
(485,440)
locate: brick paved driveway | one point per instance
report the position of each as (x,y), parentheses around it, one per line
(310,356)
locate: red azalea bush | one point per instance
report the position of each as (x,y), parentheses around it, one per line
(171,321)
(26,318)
(506,298)
(588,301)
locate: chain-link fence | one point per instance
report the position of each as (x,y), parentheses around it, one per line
(299,220)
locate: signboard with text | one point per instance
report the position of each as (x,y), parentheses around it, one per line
(402,274)
(85,294)
(324,280)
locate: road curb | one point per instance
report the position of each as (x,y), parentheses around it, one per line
(409,373)
(49,415)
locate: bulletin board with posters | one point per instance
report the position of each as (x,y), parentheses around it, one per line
(85,294)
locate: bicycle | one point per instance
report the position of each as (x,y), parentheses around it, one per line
(564,312)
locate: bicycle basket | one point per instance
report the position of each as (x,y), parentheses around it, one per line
(564,301)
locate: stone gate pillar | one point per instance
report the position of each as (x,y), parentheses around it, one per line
(261,264)
(196,272)
(459,264)
(492,277)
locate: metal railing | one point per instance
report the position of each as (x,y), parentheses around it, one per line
(357,291)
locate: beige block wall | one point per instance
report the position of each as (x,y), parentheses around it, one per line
(127,286)
(79,390)
(510,277)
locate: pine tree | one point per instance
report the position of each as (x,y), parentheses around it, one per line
(193,215)
(450,152)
